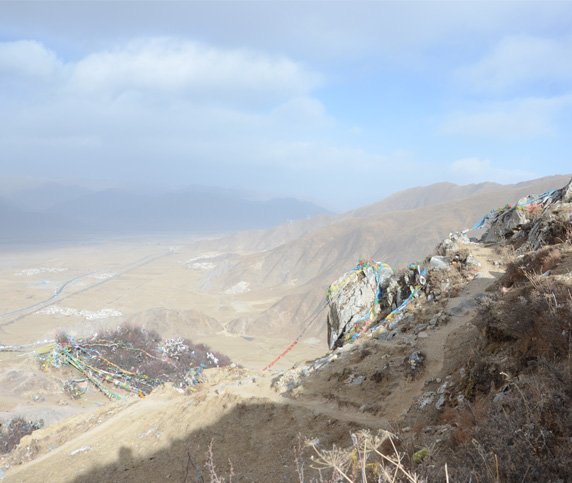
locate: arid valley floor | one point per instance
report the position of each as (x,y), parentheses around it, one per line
(249,296)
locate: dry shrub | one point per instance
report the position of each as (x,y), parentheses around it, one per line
(505,253)
(558,230)
(444,283)
(14,431)
(465,420)
(523,436)
(516,426)
(537,262)
(371,457)
(533,319)
(359,355)
(144,353)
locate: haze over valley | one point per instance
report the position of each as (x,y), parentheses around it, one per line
(46,212)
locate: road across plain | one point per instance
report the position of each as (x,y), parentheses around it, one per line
(26,311)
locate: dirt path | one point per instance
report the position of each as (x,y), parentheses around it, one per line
(461,309)
(261,389)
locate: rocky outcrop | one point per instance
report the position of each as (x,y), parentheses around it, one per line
(535,220)
(504,224)
(373,294)
(355,296)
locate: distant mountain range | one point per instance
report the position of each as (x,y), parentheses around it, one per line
(54,212)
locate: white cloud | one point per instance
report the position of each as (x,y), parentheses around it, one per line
(474,170)
(521,61)
(303,109)
(27,58)
(508,120)
(177,111)
(188,68)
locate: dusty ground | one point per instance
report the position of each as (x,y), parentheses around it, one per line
(240,412)
(388,385)
(158,284)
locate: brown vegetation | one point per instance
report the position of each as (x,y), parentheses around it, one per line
(14,431)
(133,359)
(514,418)
(537,262)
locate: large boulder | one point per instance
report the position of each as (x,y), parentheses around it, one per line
(538,209)
(555,223)
(438,262)
(355,298)
(543,218)
(504,224)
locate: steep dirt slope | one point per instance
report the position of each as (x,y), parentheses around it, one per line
(261,240)
(419,197)
(359,379)
(240,412)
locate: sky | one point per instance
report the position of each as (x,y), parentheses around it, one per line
(340,103)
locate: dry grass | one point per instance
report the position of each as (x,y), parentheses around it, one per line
(533,318)
(466,419)
(516,423)
(505,253)
(522,436)
(194,474)
(537,262)
(370,458)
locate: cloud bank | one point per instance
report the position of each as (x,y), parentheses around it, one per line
(340,104)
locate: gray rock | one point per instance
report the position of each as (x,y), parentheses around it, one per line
(440,263)
(351,299)
(502,394)
(355,379)
(566,193)
(426,399)
(416,360)
(471,261)
(504,225)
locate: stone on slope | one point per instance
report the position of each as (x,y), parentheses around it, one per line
(352,298)
(504,225)
(440,263)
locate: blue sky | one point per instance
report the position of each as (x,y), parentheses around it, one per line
(337,102)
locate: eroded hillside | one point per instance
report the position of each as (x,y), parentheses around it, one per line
(472,376)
